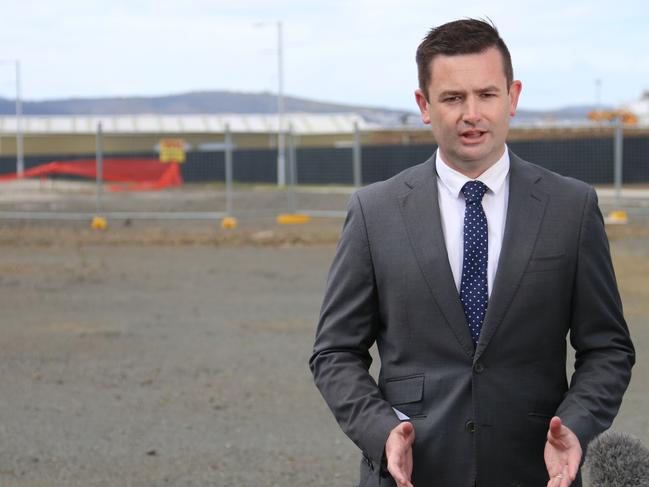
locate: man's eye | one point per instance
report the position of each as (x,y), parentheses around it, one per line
(451,99)
(487,95)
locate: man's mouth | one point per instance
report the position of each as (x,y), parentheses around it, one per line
(472,135)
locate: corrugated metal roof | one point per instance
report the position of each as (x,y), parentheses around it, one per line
(301,123)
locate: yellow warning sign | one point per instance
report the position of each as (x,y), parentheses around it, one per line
(172,150)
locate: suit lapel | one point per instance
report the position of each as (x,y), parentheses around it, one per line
(525,210)
(420,210)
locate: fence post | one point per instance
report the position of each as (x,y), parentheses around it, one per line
(228,170)
(20,153)
(357,156)
(99,169)
(618,160)
(292,170)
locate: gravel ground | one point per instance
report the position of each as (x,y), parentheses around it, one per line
(151,355)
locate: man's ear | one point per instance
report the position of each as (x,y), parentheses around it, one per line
(514,93)
(422,103)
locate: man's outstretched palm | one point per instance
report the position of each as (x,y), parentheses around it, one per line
(398,452)
(562,454)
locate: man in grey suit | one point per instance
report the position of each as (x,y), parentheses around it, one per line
(469,271)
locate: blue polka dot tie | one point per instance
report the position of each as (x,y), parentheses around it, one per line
(473,286)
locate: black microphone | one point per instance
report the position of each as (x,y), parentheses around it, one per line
(617,460)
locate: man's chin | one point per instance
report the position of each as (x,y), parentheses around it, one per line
(474,157)
(472,163)
(479,153)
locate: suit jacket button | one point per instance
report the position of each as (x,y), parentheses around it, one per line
(478,368)
(470,426)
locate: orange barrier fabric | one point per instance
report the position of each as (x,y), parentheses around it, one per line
(140,174)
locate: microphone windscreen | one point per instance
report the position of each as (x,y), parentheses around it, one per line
(617,460)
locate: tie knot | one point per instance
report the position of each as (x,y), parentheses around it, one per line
(474,191)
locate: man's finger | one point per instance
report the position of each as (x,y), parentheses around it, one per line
(565,477)
(560,479)
(555,427)
(399,474)
(554,482)
(408,431)
(573,467)
(400,478)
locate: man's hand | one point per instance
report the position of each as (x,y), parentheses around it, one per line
(562,454)
(398,451)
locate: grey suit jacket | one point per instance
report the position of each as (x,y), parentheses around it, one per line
(480,415)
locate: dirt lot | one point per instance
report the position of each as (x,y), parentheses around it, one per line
(176,354)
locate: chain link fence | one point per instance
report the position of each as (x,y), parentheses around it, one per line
(219,178)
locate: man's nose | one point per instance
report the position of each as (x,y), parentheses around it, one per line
(471,113)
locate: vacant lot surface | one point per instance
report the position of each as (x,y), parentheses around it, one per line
(177,355)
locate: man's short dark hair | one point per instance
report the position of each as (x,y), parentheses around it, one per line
(466,36)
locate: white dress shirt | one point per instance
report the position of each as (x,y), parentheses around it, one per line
(452,205)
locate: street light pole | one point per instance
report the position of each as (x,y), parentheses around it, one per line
(281,142)
(281,136)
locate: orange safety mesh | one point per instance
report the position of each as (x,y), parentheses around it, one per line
(139,174)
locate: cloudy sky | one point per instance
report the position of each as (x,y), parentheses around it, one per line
(355,51)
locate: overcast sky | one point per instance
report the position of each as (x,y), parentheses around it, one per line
(356,51)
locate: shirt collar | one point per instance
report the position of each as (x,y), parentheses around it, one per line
(493,178)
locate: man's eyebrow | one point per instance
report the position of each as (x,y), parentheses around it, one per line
(446,93)
(488,89)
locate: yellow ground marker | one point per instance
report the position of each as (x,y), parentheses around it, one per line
(618,217)
(293,219)
(99,223)
(229,223)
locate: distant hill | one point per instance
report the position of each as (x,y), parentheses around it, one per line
(213,102)
(208,102)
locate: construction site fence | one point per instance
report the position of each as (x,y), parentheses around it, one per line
(227,180)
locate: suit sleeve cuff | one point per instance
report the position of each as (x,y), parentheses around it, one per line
(581,423)
(377,438)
